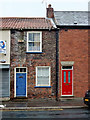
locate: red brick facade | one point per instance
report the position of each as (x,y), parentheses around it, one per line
(73,46)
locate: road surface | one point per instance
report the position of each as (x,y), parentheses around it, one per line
(83,113)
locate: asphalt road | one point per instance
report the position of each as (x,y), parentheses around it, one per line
(83,113)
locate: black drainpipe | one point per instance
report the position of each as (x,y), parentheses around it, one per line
(57,62)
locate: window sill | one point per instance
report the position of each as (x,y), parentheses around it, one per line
(34,52)
(42,86)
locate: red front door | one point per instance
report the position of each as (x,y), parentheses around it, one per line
(66,82)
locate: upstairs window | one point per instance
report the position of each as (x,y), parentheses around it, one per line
(34,42)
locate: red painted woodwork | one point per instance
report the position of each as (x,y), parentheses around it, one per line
(66,82)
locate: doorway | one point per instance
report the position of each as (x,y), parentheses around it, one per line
(67,80)
(21,82)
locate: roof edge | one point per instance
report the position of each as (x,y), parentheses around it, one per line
(22,17)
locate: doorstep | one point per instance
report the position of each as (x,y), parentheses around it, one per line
(19,99)
(69,98)
(4,99)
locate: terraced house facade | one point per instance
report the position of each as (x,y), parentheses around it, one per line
(45,57)
(32,57)
(73,52)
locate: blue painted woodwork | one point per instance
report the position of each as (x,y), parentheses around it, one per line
(42,86)
(20,84)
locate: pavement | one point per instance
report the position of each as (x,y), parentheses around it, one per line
(42,104)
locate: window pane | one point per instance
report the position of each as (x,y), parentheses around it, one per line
(69,76)
(39,72)
(45,72)
(67,67)
(17,69)
(37,46)
(22,69)
(39,80)
(42,80)
(36,37)
(30,37)
(64,77)
(32,46)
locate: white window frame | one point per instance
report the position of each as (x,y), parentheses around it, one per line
(40,40)
(49,75)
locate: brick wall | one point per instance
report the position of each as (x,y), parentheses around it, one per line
(19,58)
(49,12)
(73,44)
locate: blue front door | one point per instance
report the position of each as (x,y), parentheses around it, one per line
(20,84)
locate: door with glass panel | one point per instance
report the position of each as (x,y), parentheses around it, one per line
(67,82)
(21,76)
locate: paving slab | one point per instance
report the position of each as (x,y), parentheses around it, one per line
(42,104)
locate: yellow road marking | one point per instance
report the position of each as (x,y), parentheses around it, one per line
(33,110)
